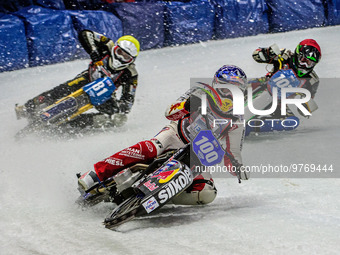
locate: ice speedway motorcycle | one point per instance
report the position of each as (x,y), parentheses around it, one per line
(141,189)
(261,106)
(63,111)
(144,189)
(283,87)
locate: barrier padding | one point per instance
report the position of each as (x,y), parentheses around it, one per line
(189,22)
(287,15)
(333,12)
(236,18)
(50,35)
(51,32)
(145,21)
(13,46)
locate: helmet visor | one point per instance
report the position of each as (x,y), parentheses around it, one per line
(122,55)
(224,92)
(308,56)
(305,61)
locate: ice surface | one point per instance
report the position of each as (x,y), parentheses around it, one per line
(260,216)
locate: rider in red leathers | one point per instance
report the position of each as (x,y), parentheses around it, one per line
(184,115)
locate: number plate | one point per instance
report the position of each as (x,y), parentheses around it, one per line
(284,79)
(207,148)
(100,90)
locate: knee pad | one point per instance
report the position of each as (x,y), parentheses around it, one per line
(197,197)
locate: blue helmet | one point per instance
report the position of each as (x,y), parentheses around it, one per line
(229,74)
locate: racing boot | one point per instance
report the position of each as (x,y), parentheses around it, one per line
(87,180)
(36,104)
(20,111)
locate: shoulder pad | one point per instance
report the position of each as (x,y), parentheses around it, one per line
(132,69)
(176,111)
(314,78)
(110,44)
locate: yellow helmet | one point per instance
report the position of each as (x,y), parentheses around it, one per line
(124,52)
(129,44)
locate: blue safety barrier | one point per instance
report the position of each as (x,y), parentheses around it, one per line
(51,31)
(13,46)
(333,12)
(189,22)
(240,18)
(144,21)
(50,35)
(287,15)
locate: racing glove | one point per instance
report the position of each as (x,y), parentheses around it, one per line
(110,107)
(267,54)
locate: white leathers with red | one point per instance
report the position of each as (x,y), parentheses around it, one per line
(230,135)
(175,136)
